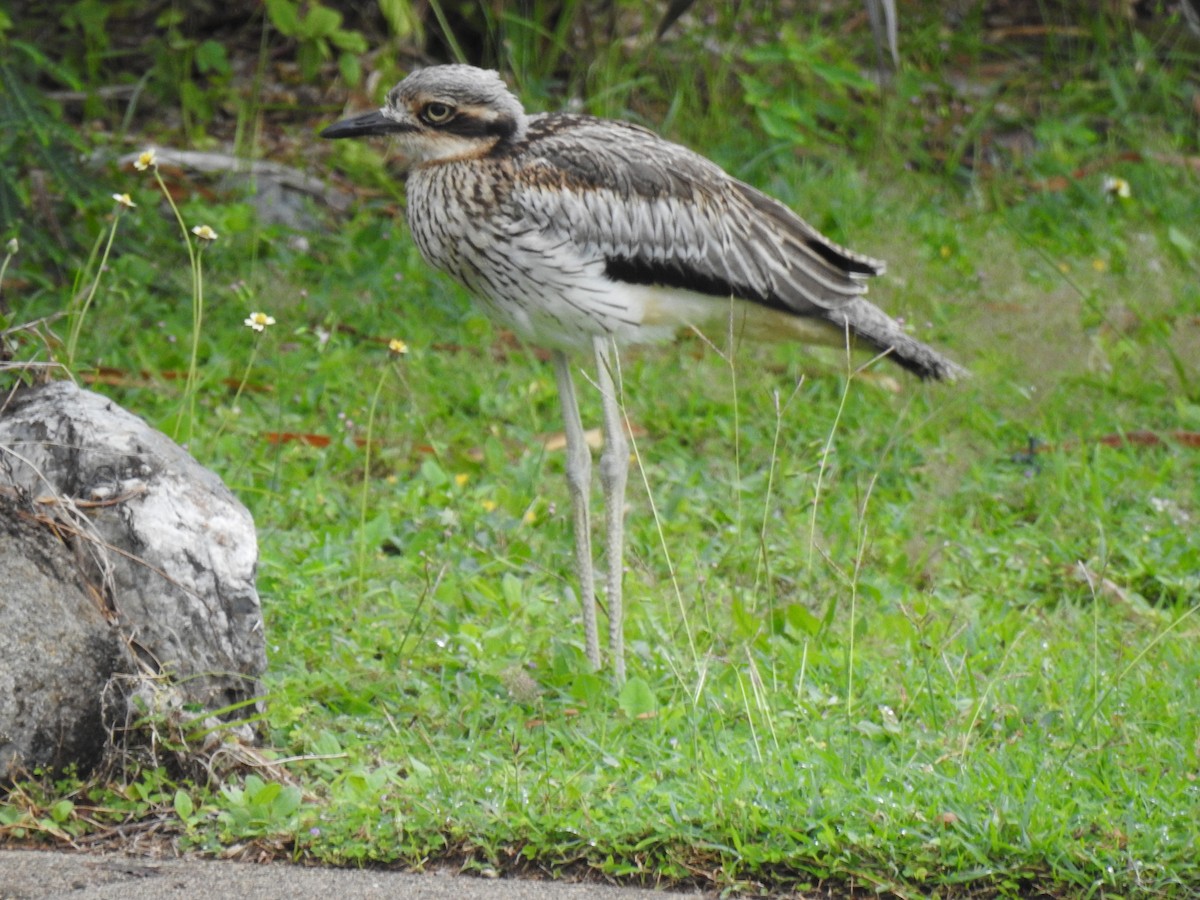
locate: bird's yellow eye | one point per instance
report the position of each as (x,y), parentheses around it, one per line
(436,113)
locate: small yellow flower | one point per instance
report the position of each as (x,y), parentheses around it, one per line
(945,252)
(204,233)
(258,321)
(461,478)
(397,346)
(488,505)
(13,246)
(124,200)
(146,160)
(1099,265)
(1116,187)
(530,517)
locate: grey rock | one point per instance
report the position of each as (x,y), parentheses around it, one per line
(55,639)
(162,549)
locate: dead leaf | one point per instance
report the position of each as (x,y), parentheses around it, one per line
(594,437)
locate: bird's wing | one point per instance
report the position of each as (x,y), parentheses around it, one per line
(657,213)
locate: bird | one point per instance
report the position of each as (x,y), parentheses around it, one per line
(587,234)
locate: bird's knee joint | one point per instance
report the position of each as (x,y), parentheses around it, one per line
(614,469)
(579,474)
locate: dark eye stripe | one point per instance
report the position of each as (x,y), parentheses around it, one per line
(469,126)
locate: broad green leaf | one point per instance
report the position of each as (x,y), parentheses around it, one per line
(589,688)
(350,68)
(61,811)
(799,618)
(320,22)
(184,807)
(267,793)
(284,16)
(636,698)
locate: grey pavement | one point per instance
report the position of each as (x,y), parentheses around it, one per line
(48,875)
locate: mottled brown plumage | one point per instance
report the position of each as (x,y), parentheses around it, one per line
(582,232)
(569,227)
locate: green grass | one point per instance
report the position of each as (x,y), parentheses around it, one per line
(873,641)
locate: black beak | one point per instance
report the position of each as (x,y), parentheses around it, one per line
(367,124)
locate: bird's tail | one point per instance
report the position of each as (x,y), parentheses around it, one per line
(866,324)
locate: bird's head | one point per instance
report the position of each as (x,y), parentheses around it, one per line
(442,113)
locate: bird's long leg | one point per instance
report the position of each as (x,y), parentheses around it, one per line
(614,472)
(579,483)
